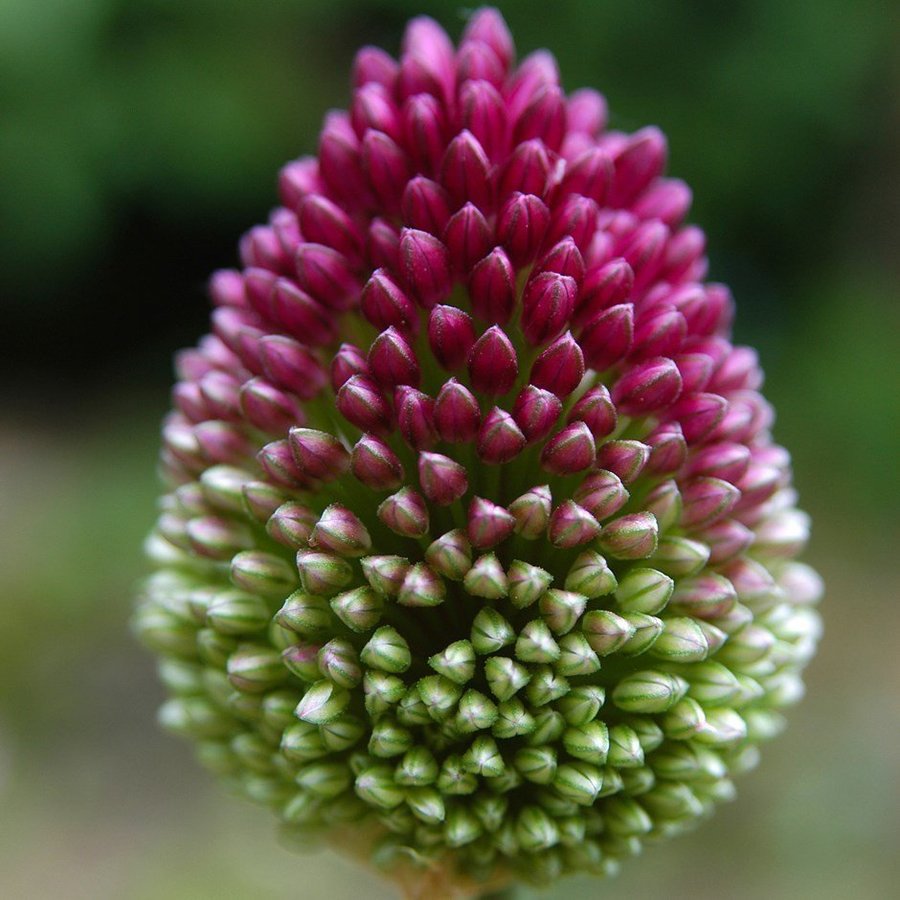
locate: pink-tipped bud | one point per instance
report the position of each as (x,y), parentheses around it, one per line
(297,179)
(443,480)
(739,370)
(269,409)
(450,555)
(758,484)
(597,411)
(658,332)
(576,217)
(465,172)
(725,460)
(499,438)
(588,112)
(642,158)
(664,501)
(450,335)
(279,465)
(536,412)
(457,415)
(483,113)
(630,537)
(544,117)
(421,587)
(604,287)
(426,205)
(602,494)
(572,450)
(668,449)
(291,366)
(685,258)
(492,363)
(387,167)
(226,288)
(492,287)
(372,106)
(347,362)
(476,61)
(324,222)
(468,237)
(372,65)
(572,526)
(392,360)
(291,524)
(527,170)
(647,387)
(375,464)
(626,458)
(589,175)
(424,128)
(301,315)
(340,531)
(726,539)
(384,303)
(547,305)
(487,25)
(426,266)
(521,225)
(383,244)
(608,336)
(326,275)
(696,370)
(405,513)
(706,596)
(531,512)
(706,500)
(415,417)
(223,442)
(564,258)
(361,403)
(488,524)
(221,395)
(318,454)
(340,167)
(699,415)
(560,367)
(668,200)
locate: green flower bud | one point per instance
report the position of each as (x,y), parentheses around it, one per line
(625,748)
(215,648)
(439,696)
(385,574)
(339,662)
(181,677)
(535,830)
(625,817)
(581,704)
(672,800)
(450,555)
(344,809)
(413,709)
(613,782)
(576,656)
(648,691)
(483,758)
(486,578)
(237,613)
(302,809)
(302,660)
(343,732)
(562,609)
(579,781)
(605,631)
(322,573)
(724,727)
(526,583)
(535,644)
(490,809)
(549,725)
(637,781)
(591,575)
(649,734)
(505,677)
(682,640)
(218,757)
(223,487)
(255,668)
(545,686)
(490,632)
(456,662)
(360,609)
(684,720)
(389,738)
(417,768)
(461,827)
(537,764)
(513,720)
(679,556)
(278,708)
(454,778)
(747,646)
(711,683)
(382,691)
(645,591)
(325,779)
(195,718)
(306,614)
(475,712)
(427,804)
(421,587)
(763,724)
(387,650)
(262,573)
(376,786)
(589,742)
(323,702)
(646,630)
(246,707)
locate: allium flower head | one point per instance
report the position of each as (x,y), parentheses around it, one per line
(477,554)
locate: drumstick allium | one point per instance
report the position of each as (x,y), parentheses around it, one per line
(477,555)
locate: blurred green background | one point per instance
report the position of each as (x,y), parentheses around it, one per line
(140,138)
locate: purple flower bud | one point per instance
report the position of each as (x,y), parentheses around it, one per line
(544,117)
(301,315)
(347,362)
(450,336)
(564,258)
(373,106)
(630,537)
(492,363)
(704,597)
(642,158)
(483,113)
(486,24)
(499,438)
(269,409)
(324,222)
(450,555)
(405,513)
(648,386)
(383,244)
(426,205)
(531,512)
(665,502)
(547,305)
(340,531)
(604,287)
(527,170)
(560,367)
(421,587)
(424,128)
(476,61)
(739,370)
(571,450)
(602,494)
(361,403)
(658,332)
(384,303)
(488,524)
(322,573)
(465,172)
(724,460)
(536,411)
(291,524)
(699,415)
(492,287)
(468,237)
(387,167)
(392,360)
(278,463)
(426,266)
(442,479)
(576,217)
(706,500)
(457,415)
(521,225)
(415,417)
(326,275)
(726,539)
(597,411)
(587,111)
(375,464)
(372,65)
(318,454)
(226,288)
(572,525)
(385,573)
(589,175)
(297,179)
(291,366)
(668,199)
(626,458)
(608,336)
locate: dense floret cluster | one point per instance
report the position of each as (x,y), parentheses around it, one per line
(476,541)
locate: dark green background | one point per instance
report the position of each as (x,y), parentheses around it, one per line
(139,139)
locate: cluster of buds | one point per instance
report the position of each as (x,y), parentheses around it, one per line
(476,541)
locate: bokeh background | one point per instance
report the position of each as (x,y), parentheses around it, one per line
(140,138)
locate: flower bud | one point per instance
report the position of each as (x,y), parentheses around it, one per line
(499,438)
(322,573)
(505,676)
(360,609)
(682,640)
(589,742)
(255,668)
(306,614)
(705,596)
(605,631)
(382,692)
(626,459)
(456,662)
(488,524)
(384,303)
(531,512)
(415,417)
(648,691)
(490,631)
(450,336)
(302,660)
(547,304)
(536,764)
(386,650)
(262,573)
(521,224)
(486,578)
(536,412)
(590,575)
(581,704)
(392,361)
(318,454)
(339,531)
(576,656)
(526,583)
(475,712)
(376,786)
(234,612)
(426,205)
(680,556)
(569,451)
(492,363)
(632,536)
(572,526)
(706,500)
(322,703)
(339,663)
(457,415)
(291,524)
(405,513)
(608,336)
(450,555)
(421,587)
(535,644)
(580,782)
(425,265)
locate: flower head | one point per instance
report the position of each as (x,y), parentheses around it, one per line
(476,540)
